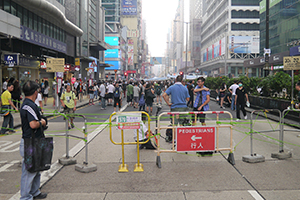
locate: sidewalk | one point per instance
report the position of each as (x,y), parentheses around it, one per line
(47,110)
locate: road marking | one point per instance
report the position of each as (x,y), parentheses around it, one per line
(5,149)
(55,167)
(4,168)
(255,195)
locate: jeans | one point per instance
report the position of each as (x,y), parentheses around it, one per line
(95,94)
(103,102)
(30,182)
(232,102)
(7,120)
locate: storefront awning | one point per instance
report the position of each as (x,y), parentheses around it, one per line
(99,46)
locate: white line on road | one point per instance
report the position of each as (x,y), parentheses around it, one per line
(255,195)
(55,167)
(4,168)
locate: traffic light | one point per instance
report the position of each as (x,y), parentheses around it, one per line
(181,73)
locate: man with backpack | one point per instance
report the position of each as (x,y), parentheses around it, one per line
(158,93)
(68,101)
(117,97)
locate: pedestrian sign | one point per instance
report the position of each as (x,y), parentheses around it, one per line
(195,139)
(129,121)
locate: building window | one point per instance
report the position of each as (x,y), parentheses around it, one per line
(7,6)
(25,17)
(244,3)
(13,8)
(35,22)
(30,20)
(244,14)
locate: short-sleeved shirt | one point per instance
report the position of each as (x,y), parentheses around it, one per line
(110,88)
(233,88)
(38,99)
(241,95)
(129,89)
(102,90)
(68,98)
(29,112)
(5,97)
(201,96)
(91,89)
(136,91)
(178,93)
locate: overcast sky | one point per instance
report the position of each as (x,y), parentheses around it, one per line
(159,15)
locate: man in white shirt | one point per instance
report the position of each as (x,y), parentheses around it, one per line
(232,89)
(110,90)
(4,87)
(102,90)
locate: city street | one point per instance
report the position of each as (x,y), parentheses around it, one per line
(182,176)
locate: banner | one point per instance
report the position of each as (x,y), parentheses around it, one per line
(130,52)
(129,7)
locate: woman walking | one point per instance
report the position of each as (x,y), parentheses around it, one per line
(223,88)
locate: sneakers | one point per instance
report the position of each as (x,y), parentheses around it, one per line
(222,107)
(12,131)
(41,196)
(237,120)
(245,117)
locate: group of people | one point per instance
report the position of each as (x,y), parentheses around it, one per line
(236,97)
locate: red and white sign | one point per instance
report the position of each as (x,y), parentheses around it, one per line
(197,139)
(129,125)
(43,65)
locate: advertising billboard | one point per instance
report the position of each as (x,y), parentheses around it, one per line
(215,50)
(244,44)
(116,65)
(156,60)
(112,41)
(129,7)
(111,53)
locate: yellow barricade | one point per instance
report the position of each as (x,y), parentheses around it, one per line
(125,121)
(191,130)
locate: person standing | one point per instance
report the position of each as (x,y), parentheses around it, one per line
(39,101)
(102,95)
(232,90)
(31,122)
(117,97)
(91,94)
(136,91)
(110,90)
(16,94)
(240,101)
(124,85)
(191,93)
(46,92)
(129,89)
(149,96)
(179,98)
(68,101)
(223,89)
(6,105)
(158,92)
(4,87)
(201,101)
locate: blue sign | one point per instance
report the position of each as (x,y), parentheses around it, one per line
(116,65)
(112,41)
(11,59)
(295,51)
(37,38)
(129,7)
(111,53)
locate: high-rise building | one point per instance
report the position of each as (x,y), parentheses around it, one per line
(195,34)
(229,35)
(116,36)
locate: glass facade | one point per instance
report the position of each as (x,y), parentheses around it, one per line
(33,21)
(112,10)
(244,2)
(284,26)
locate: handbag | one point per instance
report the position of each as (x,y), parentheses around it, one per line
(142,100)
(5,110)
(38,153)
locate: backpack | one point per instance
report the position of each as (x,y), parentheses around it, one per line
(117,93)
(158,90)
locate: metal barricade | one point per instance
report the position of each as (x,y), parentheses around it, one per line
(253,157)
(281,154)
(67,160)
(173,127)
(135,124)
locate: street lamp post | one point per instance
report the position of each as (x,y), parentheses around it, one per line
(186,45)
